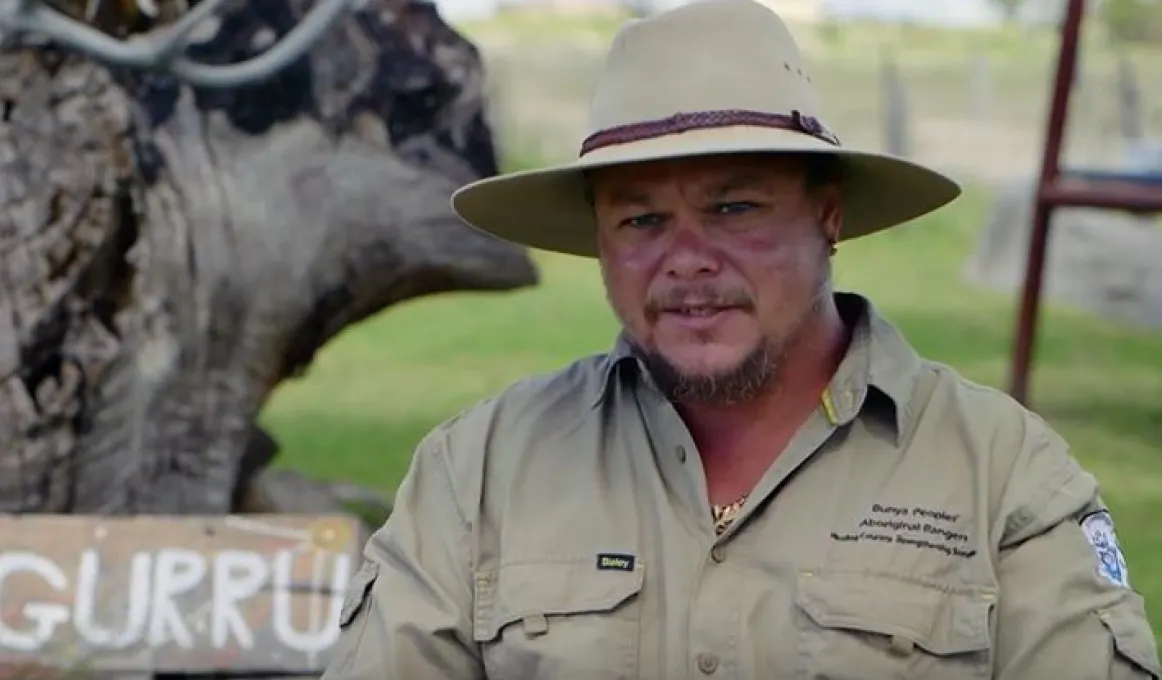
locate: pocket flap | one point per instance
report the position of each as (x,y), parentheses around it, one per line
(1133,638)
(519,590)
(939,621)
(358,592)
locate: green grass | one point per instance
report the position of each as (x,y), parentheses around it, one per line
(375,390)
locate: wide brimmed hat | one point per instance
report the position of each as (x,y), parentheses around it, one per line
(711,77)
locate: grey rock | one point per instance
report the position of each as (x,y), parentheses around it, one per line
(1105,262)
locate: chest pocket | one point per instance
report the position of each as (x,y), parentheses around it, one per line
(559,619)
(864,626)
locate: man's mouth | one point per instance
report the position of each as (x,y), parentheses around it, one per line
(693,312)
(697,311)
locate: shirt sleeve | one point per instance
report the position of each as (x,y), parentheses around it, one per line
(408,612)
(1066,607)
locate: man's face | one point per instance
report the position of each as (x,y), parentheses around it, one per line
(713,265)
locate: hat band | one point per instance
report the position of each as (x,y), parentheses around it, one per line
(702,120)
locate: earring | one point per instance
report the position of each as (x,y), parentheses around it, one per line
(834,248)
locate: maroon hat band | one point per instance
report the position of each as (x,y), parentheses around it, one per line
(702,120)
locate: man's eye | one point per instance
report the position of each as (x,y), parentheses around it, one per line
(733,208)
(643,221)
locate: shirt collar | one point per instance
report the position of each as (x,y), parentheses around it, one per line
(880,366)
(620,361)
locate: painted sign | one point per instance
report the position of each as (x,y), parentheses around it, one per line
(243,592)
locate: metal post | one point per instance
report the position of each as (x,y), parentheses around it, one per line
(1039,238)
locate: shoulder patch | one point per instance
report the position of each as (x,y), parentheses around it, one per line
(1111,563)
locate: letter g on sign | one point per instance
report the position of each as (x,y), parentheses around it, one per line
(46,616)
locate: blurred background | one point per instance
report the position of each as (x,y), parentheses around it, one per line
(960,84)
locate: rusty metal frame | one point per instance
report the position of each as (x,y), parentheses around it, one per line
(1055,190)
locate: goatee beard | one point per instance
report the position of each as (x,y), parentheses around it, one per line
(750,378)
(758,372)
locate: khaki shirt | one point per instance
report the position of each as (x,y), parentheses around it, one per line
(917,526)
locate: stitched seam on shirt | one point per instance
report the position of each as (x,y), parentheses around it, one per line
(450,487)
(1033,509)
(944,587)
(908,418)
(464,541)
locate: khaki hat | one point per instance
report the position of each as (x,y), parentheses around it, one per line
(710,77)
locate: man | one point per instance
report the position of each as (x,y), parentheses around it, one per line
(762,479)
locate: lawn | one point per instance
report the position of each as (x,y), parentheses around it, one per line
(375,390)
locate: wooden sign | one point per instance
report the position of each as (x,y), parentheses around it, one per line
(154,594)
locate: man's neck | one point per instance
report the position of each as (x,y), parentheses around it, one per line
(807,368)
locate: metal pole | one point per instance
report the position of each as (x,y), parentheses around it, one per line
(1043,208)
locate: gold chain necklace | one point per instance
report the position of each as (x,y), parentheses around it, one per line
(724,515)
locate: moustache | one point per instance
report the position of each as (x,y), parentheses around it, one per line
(677,299)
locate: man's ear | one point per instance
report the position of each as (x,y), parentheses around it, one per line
(829,203)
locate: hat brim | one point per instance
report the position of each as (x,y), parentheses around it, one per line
(548,209)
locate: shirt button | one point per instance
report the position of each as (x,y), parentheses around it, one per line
(707,663)
(718,554)
(681,451)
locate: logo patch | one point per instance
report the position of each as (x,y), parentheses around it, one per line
(615,562)
(1111,563)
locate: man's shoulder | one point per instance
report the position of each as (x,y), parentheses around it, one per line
(1015,439)
(531,405)
(1026,466)
(966,394)
(985,411)
(503,438)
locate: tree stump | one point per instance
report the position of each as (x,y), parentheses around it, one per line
(171,253)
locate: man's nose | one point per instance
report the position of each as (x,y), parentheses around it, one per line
(690,254)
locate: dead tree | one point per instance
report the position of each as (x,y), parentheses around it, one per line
(185,220)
